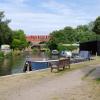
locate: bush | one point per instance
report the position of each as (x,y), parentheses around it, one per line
(16,52)
(35,50)
(8,54)
(68,48)
(1,54)
(61,48)
(47,52)
(71,48)
(52,45)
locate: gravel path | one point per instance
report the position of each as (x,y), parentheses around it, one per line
(68,86)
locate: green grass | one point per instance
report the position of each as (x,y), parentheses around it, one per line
(88,73)
(94,62)
(47,73)
(98,80)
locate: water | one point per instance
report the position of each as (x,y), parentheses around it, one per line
(12,65)
(15,64)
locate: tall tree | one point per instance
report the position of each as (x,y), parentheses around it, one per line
(66,35)
(90,25)
(96,28)
(69,34)
(5,31)
(84,33)
(19,40)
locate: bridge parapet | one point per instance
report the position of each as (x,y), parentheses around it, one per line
(38,38)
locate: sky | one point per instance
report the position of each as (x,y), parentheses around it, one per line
(41,17)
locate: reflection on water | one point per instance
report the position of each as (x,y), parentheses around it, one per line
(12,65)
(15,64)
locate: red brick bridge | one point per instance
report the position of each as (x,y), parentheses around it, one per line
(37,38)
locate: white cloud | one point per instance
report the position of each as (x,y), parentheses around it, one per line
(42,22)
(57,16)
(58,8)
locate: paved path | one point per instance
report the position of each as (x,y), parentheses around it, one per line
(68,86)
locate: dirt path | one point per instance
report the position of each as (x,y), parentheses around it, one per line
(68,86)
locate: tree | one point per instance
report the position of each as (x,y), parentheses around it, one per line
(69,34)
(16,43)
(66,35)
(91,25)
(19,40)
(5,31)
(85,33)
(96,28)
(52,45)
(16,39)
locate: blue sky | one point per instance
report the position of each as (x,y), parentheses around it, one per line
(44,16)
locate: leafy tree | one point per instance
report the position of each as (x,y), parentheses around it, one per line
(82,28)
(84,33)
(69,35)
(90,26)
(71,47)
(5,31)
(52,45)
(1,54)
(16,43)
(19,40)
(96,28)
(66,35)
(16,39)
(57,36)
(61,47)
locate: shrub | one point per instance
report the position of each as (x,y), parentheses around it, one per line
(47,52)
(71,48)
(8,54)
(68,48)
(35,50)
(61,47)
(1,54)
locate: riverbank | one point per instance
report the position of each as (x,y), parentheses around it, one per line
(44,85)
(4,55)
(13,63)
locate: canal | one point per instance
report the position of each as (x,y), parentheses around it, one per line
(15,64)
(12,65)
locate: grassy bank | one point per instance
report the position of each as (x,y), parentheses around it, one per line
(98,80)
(1,55)
(95,61)
(25,80)
(10,54)
(37,75)
(46,72)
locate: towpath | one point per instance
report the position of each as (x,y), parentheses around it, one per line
(68,86)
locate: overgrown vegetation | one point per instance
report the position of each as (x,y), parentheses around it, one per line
(1,54)
(35,51)
(61,47)
(47,52)
(19,40)
(98,80)
(8,55)
(68,48)
(16,39)
(69,35)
